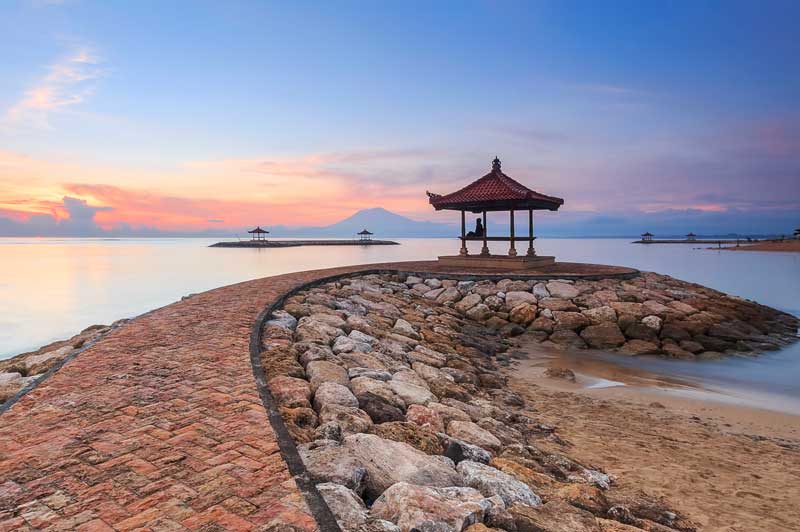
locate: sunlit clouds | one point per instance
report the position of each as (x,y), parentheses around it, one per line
(68,82)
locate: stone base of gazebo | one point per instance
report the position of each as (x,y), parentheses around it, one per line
(496,262)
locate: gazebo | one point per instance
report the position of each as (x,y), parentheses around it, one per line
(258,234)
(365,236)
(691,237)
(491,193)
(647,237)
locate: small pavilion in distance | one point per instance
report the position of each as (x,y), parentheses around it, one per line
(691,237)
(491,193)
(647,237)
(364,235)
(258,234)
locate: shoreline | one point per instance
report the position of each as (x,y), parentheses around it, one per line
(782,246)
(435,391)
(298,243)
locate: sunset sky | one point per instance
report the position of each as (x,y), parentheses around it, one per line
(158,117)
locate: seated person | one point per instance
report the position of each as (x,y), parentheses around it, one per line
(478,228)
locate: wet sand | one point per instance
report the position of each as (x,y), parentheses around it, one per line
(729,467)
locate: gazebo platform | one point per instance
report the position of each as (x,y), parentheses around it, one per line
(496,262)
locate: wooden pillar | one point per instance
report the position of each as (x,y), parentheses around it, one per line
(463,252)
(531,251)
(485,248)
(512,250)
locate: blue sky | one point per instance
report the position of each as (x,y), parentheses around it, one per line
(191,115)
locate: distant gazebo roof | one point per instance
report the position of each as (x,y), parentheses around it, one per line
(494,192)
(647,234)
(258,230)
(364,232)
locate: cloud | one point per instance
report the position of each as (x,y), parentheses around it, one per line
(78,219)
(68,82)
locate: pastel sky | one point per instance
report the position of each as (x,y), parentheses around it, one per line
(205,115)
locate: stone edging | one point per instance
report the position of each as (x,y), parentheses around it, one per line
(316,503)
(4,407)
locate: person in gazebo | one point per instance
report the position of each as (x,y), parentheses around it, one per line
(478,228)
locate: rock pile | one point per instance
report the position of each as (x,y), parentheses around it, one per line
(21,370)
(391,388)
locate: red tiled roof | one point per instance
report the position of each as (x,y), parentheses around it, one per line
(495,190)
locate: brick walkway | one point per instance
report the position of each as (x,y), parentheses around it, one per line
(158,426)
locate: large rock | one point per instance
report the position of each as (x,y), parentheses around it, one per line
(449,413)
(562,290)
(364,385)
(378,409)
(569,321)
(411,394)
(459,450)
(555,516)
(425,417)
(523,314)
(600,315)
(568,339)
(321,371)
(639,347)
(350,419)
(416,436)
(346,344)
(450,295)
(490,482)
(636,310)
(472,433)
(542,324)
(540,290)
(401,326)
(479,312)
(425,508)
(289,392)
(427,356)
(603,336)
(347,507)
(330,393)
(314,331)
(516,298)
(40,363)
(654,322)
(556,304)
(389,462)
(327,461)
(467,303)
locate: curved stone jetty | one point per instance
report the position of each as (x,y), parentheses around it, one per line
(166,423)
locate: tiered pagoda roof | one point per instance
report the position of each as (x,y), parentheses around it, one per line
(494,192)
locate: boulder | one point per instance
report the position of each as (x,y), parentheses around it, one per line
(555,516)
(603,336)
(430,374)
(346,344)
(474,434)
(569,321)
(459,450)
(369,373)
(378,409)
(569,339)
(427,356)
(479,312)
(449,413)
(424,508)
(433,283)
(683,308)
(36,364)
(450,295)
(350,419)
(322,371)
(425,417)
(314,331)
(675,351)
(389,462)
(656,308)
(517,298)
(542,324)
(494,303)
(327,461)
(433,294)
(490,482)
(364,385)
(599,315)
(672,332)
(555,304)
(401,326)
(404,431)
(411,393)
(467,303)
(540,290)
(330,393)
(347,507)
(654,322)
(288,392)
(281,318)
(562,290)
(639,347)
(410,376)
(640,331)
(636,310)
(523,314)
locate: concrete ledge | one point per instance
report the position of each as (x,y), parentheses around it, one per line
(496,262)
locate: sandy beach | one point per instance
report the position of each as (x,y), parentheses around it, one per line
(784,246)
(729,467)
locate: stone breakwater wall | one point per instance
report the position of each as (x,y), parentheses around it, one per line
(390,387)
(22,372)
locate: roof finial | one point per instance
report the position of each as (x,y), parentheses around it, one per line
(496,164)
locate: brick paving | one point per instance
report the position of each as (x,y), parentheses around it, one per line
(159,426)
